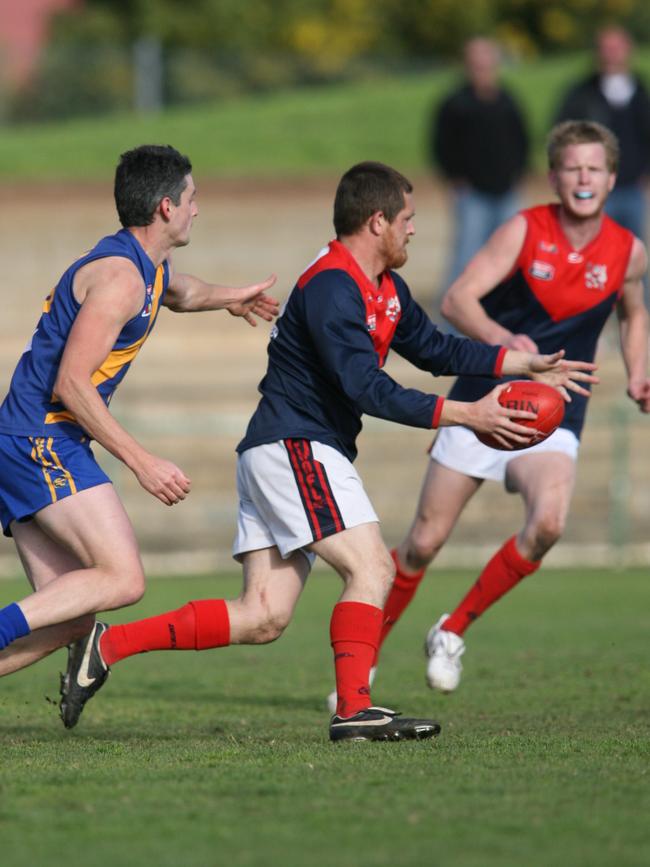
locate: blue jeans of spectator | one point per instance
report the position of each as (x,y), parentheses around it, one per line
(628,206)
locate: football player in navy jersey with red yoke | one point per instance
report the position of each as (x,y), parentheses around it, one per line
(548,277)
(300,495)
(69,526)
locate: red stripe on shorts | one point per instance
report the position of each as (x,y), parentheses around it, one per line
(315,491)
(293,447)
(327,491)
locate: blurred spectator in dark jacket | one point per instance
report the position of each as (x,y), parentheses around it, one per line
(479,142)
(614,96)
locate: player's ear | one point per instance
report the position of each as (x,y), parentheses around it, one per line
(377,222)
(165,207)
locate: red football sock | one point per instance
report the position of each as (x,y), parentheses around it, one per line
(401,593)
(196,626)
(354,634)
(504,570)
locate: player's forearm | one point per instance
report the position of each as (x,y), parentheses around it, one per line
(468,316)
(634,344)
(382,397)
(86,405)
(190,294)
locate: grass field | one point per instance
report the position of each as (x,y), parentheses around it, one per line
(222,759)
(293,133)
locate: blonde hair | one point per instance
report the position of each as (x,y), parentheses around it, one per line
(571,132)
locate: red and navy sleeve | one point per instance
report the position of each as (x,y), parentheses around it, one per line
(419,341)
(335,316)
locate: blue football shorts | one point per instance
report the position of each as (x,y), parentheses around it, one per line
(38,471)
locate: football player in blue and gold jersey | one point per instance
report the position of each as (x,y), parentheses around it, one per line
(72,533)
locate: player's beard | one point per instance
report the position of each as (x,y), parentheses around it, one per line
(395,253)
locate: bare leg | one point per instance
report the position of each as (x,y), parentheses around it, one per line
(546,482)
(265,606)
(272,587)
(444,495)
(43,560)
(361,558)
(95,529)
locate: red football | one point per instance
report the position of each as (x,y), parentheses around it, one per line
(531,396)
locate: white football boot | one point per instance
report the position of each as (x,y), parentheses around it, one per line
(444,650)
(332,698)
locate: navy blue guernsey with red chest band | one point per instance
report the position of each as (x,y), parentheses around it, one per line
(560,297)
(328,348)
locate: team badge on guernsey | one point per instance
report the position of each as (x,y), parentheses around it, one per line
(148,307)
(393,308)
(596,277)
(547,247)
(541,270)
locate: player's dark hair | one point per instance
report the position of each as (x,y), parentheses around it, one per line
(146,175)
(365,189)
(571,132)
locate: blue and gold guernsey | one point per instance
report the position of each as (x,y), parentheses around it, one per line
(31,408)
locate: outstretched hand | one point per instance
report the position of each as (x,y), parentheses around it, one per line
(251,301)
(563,374)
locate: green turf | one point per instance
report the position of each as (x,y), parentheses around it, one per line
(300,132)
(222,758)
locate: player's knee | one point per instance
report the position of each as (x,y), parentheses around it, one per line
(263,620)
(371,574)
(424,544)
(130,587)
(548,529)
(269,628)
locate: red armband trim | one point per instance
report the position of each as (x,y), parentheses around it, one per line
(498,364)
(435,421)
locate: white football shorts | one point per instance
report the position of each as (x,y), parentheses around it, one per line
(458,448)
(294,492)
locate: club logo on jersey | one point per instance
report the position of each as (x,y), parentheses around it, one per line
(393,308)
(546,247)
(541,270)
(596,277)
(574,258)
(148,305)
(372,323)
(274,329)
